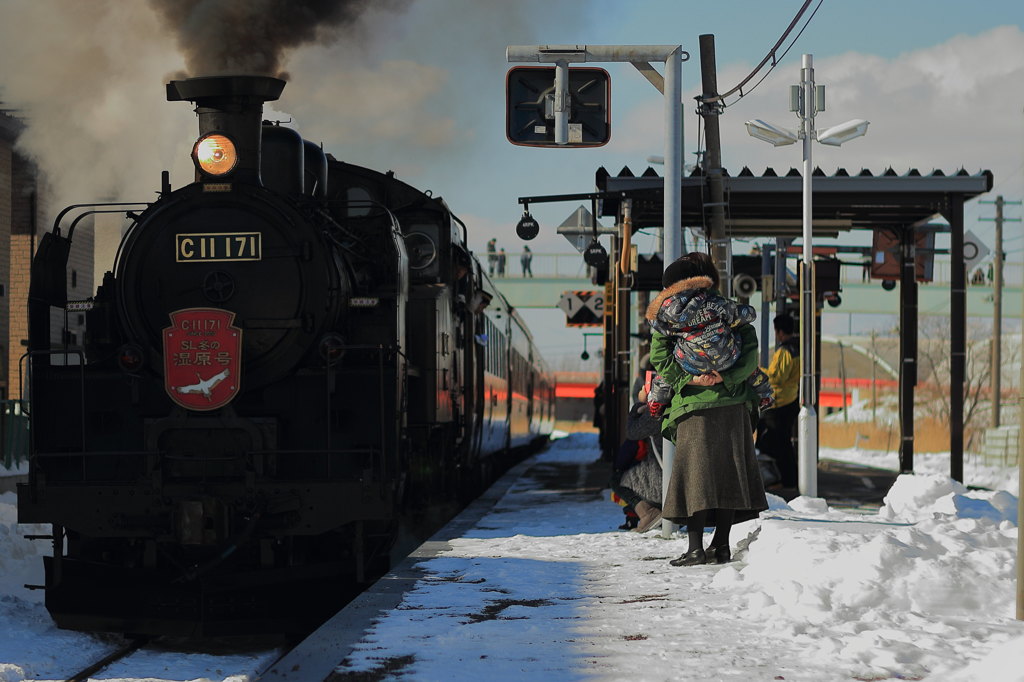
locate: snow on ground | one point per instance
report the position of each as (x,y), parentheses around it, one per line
(547,591)
(976,472)
(544,588)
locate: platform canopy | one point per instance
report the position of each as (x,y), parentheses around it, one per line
(771,205)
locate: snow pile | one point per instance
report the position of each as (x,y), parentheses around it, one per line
(918,498)
(909,591)
(21,560)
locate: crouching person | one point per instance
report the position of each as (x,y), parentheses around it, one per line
(636,479)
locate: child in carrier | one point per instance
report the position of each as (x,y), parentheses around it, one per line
(703,324)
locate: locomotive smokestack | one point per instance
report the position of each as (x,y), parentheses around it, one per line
(230,106)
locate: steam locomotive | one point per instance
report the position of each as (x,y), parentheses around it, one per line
(289,356)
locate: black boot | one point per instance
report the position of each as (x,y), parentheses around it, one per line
(691,558)
(718,552)
(718,555)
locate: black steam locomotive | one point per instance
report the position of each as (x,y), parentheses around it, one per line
(290,355)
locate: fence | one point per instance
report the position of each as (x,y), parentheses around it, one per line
(571,266)
(547,265)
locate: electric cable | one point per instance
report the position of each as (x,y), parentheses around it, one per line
(771,55)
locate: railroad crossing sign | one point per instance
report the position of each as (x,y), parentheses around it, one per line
(582,308)
(975,250)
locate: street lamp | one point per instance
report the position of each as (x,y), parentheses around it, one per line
(806,100)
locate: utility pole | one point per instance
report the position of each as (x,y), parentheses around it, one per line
(720,251)
(1020,496)
(997,307)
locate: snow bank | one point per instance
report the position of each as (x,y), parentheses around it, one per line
(897,592)
(21,560)
(917,498)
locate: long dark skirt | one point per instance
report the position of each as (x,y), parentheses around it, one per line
(715,466)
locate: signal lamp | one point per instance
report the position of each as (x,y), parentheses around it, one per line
(130,358)
(527,228)
(215,154)
(595,255)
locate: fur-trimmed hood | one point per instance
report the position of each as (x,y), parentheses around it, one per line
(690,283)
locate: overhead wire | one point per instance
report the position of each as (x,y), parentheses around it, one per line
(739,88)
(771,55)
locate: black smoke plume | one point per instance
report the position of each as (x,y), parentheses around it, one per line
(254,36)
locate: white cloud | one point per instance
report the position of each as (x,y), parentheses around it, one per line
(944,107)
(952,105)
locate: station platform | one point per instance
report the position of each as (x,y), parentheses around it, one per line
(535,581)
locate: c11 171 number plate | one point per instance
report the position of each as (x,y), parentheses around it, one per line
(199,247)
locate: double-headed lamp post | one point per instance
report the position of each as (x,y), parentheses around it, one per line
(806,100)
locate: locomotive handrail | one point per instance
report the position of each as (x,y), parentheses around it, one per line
(74,223)
(68,209)
(89,453)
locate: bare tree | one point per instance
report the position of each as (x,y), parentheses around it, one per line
(934,391)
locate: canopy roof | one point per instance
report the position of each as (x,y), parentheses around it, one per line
(771,205)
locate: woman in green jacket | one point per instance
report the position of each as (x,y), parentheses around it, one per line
(715,476)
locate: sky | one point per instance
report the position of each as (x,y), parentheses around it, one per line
(922,588)
(417,86)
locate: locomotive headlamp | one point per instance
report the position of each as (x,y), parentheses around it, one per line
(215,154)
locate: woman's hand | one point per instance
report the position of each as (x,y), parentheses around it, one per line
(707,379)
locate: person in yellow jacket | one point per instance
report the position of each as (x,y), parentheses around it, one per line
(775,429)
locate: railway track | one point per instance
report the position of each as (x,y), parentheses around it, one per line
(168,658)
(118,654)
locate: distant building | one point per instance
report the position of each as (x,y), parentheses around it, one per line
(23,211)
(574,396)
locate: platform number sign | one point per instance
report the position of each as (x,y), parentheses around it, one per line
(583,308)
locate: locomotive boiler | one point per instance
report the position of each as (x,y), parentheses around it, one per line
(290,357)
